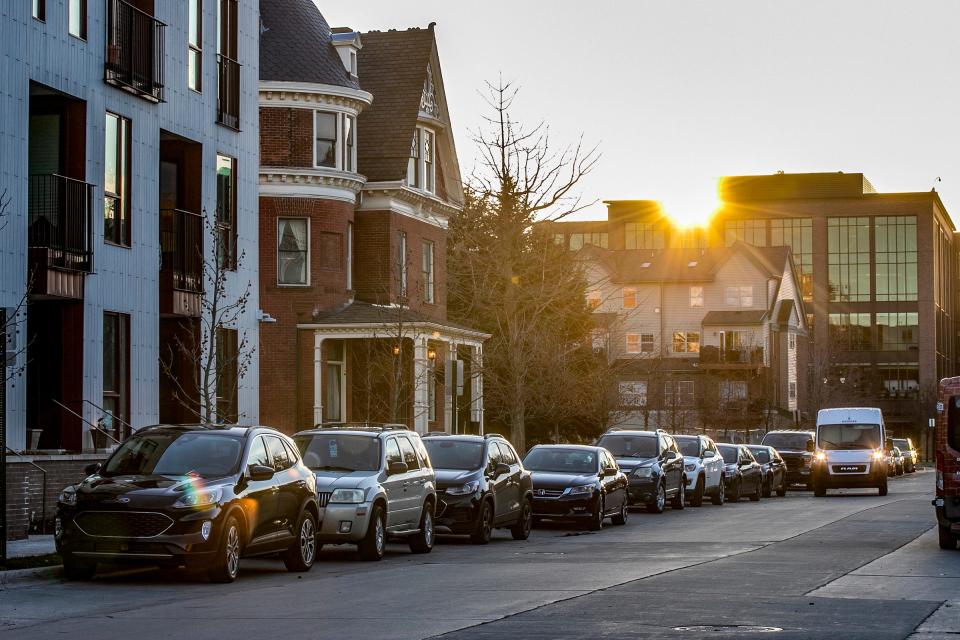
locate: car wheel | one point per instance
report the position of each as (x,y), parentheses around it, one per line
(521,529)
(819,489)
(782,489)
(734,495)
(757,491)
(945,537)
(483,527)
(300,555)
(720,494)
(596,521)
(374,541)
(422,542)
(696,499)
(768,488)
(660,502)
(621,518)
(227,562)
(78,570)
(680,500)
(883,487)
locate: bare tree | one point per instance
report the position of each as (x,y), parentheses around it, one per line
(214,370)
(14,319)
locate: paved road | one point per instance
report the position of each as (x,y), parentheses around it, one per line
(848,566)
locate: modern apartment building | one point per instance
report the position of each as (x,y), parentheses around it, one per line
(877,275)
(358,179)
(129,134)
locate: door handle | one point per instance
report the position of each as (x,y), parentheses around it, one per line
(405,484)
(274,489)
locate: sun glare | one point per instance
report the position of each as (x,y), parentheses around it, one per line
(693,207)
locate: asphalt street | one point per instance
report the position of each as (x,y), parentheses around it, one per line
(852,565)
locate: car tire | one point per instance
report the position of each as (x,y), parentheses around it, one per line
(660,502)
(696,500)
(596,519)
(78,570)
(299,557)
(782,489)
(621,518)
(819,490)
(883,488)
(521,528)
(680,500)
(374,542)
(483,527)
(757,491)
(945,537)
(734,495)
(226,565)
(719,496)
(422,541)
(768,488)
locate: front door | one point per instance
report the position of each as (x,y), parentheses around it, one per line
(261,495)
(510,495)
(394,486)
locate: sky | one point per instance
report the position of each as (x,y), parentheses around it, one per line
(677,93)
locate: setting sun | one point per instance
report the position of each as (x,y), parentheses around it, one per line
(693,206)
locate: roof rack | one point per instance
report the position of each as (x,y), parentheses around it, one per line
(362,426)
(493,435)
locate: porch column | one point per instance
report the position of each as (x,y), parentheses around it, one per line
(317,378)
(476,386)
(450,390)
(421,369)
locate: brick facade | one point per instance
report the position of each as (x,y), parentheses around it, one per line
(286,137)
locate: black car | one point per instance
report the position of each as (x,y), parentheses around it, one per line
(481,485)
(773,467)
(796,448)
(577,482)
(194,496)
(742,473)
(653,464)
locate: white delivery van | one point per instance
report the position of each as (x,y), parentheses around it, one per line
(850,450)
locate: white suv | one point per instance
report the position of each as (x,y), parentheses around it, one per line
(703,466)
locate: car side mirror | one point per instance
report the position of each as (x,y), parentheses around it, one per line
(397,467)
(609,471)
(810,446)
(91,469)
(672,455)
(501,469)
(708,454)
(259,472)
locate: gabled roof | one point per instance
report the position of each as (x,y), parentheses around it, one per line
(295,45)
(748,317)
(365,313)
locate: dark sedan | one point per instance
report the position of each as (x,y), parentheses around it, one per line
(196,496)
(577,483)
(773,467)
(742,472)
(481,485)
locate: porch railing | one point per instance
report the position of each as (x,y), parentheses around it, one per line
(134,54)
(181,248)
(228,92)
(60,210)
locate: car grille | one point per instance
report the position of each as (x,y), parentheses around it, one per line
(849,468)
(323,498)
(122,524)
(547,493)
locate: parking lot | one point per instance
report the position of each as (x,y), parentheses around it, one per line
(850,565)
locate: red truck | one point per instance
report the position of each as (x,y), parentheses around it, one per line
(947,452)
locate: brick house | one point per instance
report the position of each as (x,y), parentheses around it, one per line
(358,179)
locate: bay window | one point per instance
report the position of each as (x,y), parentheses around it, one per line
(334,140)
(428,273)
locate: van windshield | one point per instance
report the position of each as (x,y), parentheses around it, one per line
(833,437)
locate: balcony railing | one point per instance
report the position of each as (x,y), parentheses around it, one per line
(228,92)
(181,248)
(134,55)
(60,222)
(744,356)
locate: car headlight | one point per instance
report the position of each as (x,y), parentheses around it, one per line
(643,472)
(582,490)
(690,467)
(199,497)
(464,489)
(349,496)
(68,496)
(820,456)
(878,455)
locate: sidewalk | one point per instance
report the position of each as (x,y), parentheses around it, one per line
(30,547)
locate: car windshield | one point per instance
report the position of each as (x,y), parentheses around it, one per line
(787,441)
(762,455)
(339,452)
(206,455)
(848,436)
(902,443)
(688,446)
(622,445)
(561,460)
(730,454)
(454,454)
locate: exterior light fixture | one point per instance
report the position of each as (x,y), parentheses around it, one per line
(432,354)
(396,349)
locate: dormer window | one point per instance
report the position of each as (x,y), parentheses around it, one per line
(334,142)
(421,167)
(347,42)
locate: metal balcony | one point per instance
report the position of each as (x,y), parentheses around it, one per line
(181,248)
(134,51)
(60,223)
(228,92)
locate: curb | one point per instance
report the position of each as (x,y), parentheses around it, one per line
(26,577)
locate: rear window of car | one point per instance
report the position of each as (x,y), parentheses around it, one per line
(731,454)
(629,446)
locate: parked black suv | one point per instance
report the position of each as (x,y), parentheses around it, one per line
(653,464)
(796,449)
(481,485)
(195,496)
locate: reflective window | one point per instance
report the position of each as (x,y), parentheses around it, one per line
(749,231)
(848,259)
(741,296)
(696,296)
(278,453)
(633,393)
(897,331)
(393,451)
(577,240)
(850,331)
(258,454)
(902,381)
(409,455)
(325,131)
(694,238)
(643,235)
(686,342)
(629,297)
(116,180)
(797,233)
(896,258)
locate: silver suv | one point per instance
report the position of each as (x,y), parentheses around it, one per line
(373,482)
